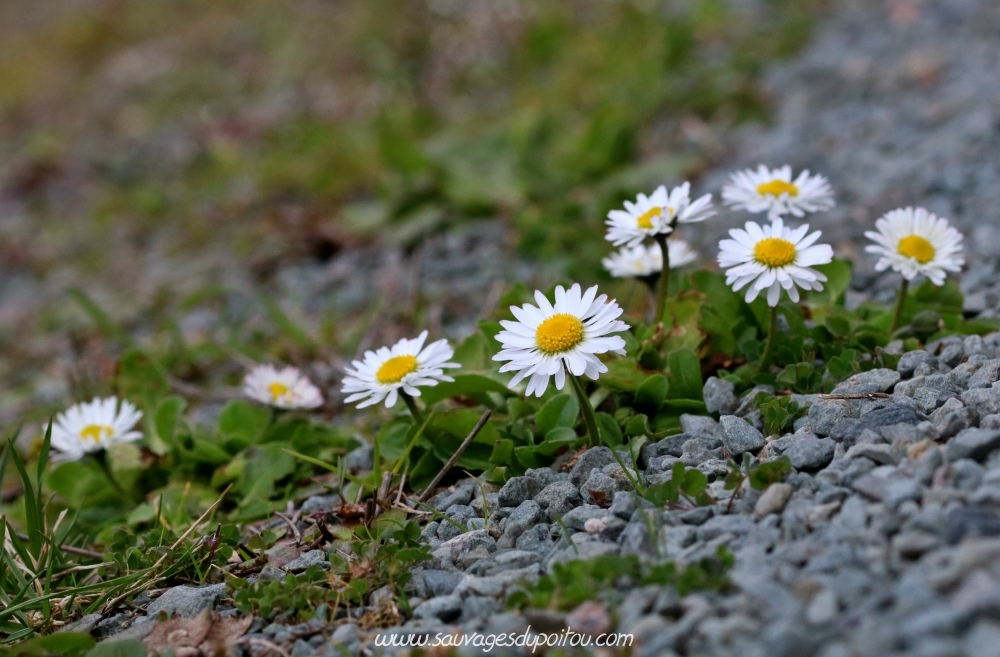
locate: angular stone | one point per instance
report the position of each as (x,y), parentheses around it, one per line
(699,425)
(307,560)
(559,497)
(826,413)
(773,500)
(187,601)
(985,401)
(738,436)
(595,457)
(848,431)
(881,454)
(445,608)
(911,360)
(441,582)
(811,454)
(719,396)
(973,444)
(517,490)
(576,518)
(600,488)
(972,520)
(878,380)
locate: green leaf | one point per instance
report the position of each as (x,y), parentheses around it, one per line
(560,411)
(684,319)
(503,452)
(120,648)
(475,353)
(446,431)
(637,426)
(240,418)
(770,472)
(653,391)
(609,429)
(266,465)
(623,375)
(685,375)
(168,414)
(838,279)
(64,644)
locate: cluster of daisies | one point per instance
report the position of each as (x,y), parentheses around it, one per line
(564,337)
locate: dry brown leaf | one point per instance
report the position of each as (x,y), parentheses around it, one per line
(206,635)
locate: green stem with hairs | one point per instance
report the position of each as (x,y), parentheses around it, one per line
(897,316)
(663,289)
(411,404)
(772,331)
(590,420)
(102,460)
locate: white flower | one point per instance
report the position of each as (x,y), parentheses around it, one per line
(774,191)
(93,426)
(771,258)
(286,388)
(656,214)
(642,260)
(407,364)
(572,331)
(916,242)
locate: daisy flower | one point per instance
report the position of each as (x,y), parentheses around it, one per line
(286,388)
(404,366)
(774,191)
(915,242)
(656,214)
(546,338)
(773,258)
(642,260)
(93,426)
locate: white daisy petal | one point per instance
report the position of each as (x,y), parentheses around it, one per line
(409,365)
(93,426)
(773,191)
(286,388)
(578,326)
(915,242)
(642,260)
(773,261)
(657,214)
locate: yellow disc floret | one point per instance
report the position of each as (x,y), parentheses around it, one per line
(777,188)
(93,432)
(394,369)
(916,247)
(277,390)
(645,220)
(558,334)
(774,252)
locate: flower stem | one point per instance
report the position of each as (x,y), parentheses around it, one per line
(590,420)
(765,361)
(664,286)
(411,404)
(897,316)
(102,460)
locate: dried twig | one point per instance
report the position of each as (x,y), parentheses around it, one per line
(872,396)
(454,457)
(69,549)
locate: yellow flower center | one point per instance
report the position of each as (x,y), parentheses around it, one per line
(278,390)
(776,188)
(394,369)
(93,432)
(559,333)
(645,220)
(916,247)
(774,252)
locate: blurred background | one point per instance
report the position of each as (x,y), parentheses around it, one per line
(181,174)
(224,181)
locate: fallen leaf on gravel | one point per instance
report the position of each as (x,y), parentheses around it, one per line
(206,635)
